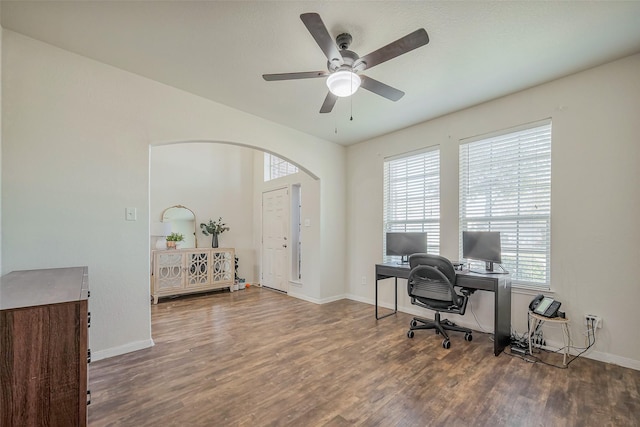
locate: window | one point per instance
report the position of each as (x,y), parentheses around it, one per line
(296,232)
(505,186)
(412,197)
(275,167)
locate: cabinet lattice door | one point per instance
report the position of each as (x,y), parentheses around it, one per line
(222,267)
(198,268)
(168,274)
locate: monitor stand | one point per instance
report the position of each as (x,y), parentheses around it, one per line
(488,269)
(404,260)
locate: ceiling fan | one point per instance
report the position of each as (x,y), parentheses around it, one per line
(344,66)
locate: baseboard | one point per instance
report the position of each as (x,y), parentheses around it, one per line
(592,354)
(613,359)
(417,311)
(123,349)
(361,299)
(596,355)
(315,300)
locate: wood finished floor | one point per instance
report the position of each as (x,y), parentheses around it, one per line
(260,358)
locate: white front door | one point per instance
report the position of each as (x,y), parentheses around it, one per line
(275,239)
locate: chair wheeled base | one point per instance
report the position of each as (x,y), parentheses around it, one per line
(440,326)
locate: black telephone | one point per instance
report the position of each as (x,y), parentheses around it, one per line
(544,306)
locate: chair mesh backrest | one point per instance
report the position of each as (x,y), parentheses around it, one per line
(432,283)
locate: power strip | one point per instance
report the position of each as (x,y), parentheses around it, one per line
(522,351)
(538,340)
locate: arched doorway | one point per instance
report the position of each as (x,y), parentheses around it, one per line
(225,180)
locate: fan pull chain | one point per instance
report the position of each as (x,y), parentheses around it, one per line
(351,100)
(351,104)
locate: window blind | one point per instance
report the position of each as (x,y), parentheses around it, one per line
(412,197)
(505,186)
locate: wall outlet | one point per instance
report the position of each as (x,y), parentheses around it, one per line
(592,319)
(364,280)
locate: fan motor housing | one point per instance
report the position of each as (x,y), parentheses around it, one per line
(348,57)
(344,41)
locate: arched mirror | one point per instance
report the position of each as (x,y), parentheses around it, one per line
(182,221)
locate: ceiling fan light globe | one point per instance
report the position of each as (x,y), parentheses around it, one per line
(343,83)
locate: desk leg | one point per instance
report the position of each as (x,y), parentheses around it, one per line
(396,305)
(502,317)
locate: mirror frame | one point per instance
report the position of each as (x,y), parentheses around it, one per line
(195,236)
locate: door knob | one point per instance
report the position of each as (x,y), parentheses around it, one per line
(284,246)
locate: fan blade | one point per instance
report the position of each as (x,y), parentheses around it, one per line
(328,103)
(403,45)
(294,76)
(380,88)
(321,35)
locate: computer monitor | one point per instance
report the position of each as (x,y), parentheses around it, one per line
(404,244)
(483,246)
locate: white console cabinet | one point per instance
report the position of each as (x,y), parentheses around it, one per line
(182,271)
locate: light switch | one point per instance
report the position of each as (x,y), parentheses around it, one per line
(131,214)
(307,222)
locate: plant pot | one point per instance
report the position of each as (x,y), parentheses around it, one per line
(171,245)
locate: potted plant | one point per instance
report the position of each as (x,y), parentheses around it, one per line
(214,229)
(172,240)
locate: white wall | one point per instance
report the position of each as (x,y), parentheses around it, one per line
(213,180)
(75,153)
(76,137)
(595,200)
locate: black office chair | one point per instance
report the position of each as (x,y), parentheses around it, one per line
(430,285)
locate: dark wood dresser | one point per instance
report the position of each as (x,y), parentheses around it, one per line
(44,347)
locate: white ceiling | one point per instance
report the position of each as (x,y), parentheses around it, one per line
(478,51)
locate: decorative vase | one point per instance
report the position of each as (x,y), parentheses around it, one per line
(161,243)
(214,240)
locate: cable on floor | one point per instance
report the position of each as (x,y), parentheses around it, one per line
(591,341)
